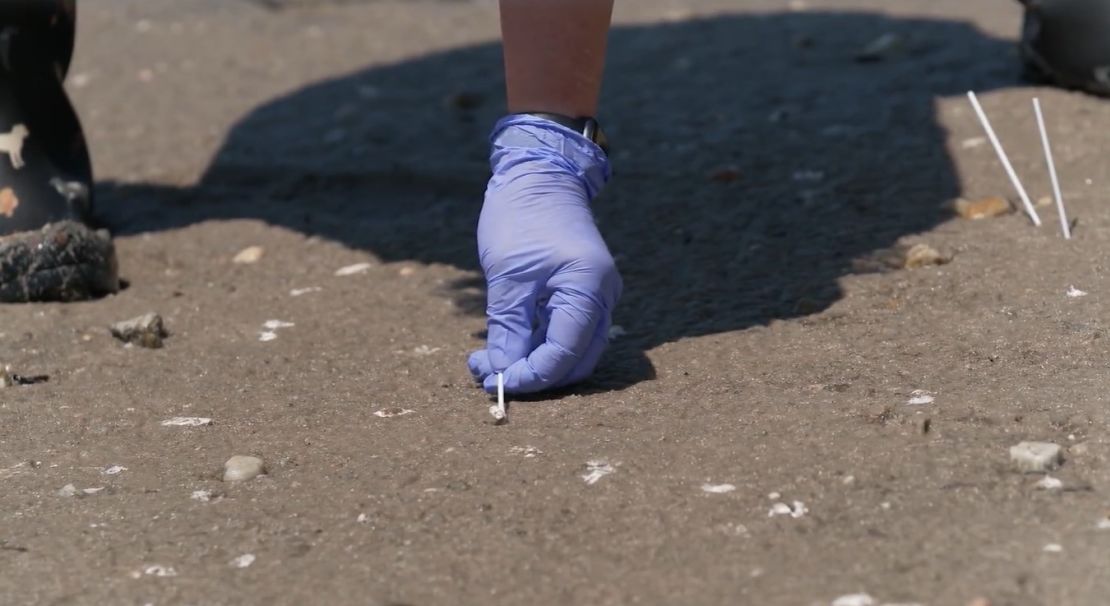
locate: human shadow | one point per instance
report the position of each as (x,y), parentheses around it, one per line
(756,157)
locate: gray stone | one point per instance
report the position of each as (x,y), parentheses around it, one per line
(240,468)
(145,331)
(1036,456)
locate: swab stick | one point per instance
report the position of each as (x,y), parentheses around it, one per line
(498,410)
(1052,170)
(1005,160)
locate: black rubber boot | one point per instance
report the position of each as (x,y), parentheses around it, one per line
(46,250)
(1067,43)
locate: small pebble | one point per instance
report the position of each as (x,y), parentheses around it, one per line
(146,330)
(1103,523)
(1035,456)
(973,142)
(250,254)
(243,561)
(386,413)
(726,174)
(6,379)
(464,100)
(362,518)
(113,470)
(69,490)
(350,270)
(983,209)
(1044,201)
(406,271)
(1053,548)
(717,488)
(203,496)
(240,468)
(883,47)
(923,255)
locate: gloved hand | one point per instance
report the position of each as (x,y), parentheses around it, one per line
(552,283)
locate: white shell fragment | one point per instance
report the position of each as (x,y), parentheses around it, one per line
(296,292)
(529,452)
(69,490)
(717,488)
(271,327)
(155,570)
(276,324)
(1074,292)
(1053,548)
(243,561)
(203,496)
(1049,483)
(973,142)
(187,422)
(386,413)
(855,599)
(113,470)
(240,468)
(350,270)
(919,397)
(795,510)
(250,254)
(597,469)
(1035,456)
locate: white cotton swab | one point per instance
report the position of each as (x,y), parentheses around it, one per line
(498,410)
(1005,160)
(1052,170)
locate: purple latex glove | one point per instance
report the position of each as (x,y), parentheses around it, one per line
(552,283)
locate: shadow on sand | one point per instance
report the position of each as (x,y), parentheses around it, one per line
(755,159)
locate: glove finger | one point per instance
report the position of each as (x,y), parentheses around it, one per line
(479,363)
(588,363)
(574,318)
(511,309)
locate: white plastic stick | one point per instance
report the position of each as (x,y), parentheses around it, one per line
(501,393)
(498,410)
(1032,212)
(1052,170)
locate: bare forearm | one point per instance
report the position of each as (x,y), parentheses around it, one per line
(555,54)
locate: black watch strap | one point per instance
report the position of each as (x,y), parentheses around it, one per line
(587,127)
